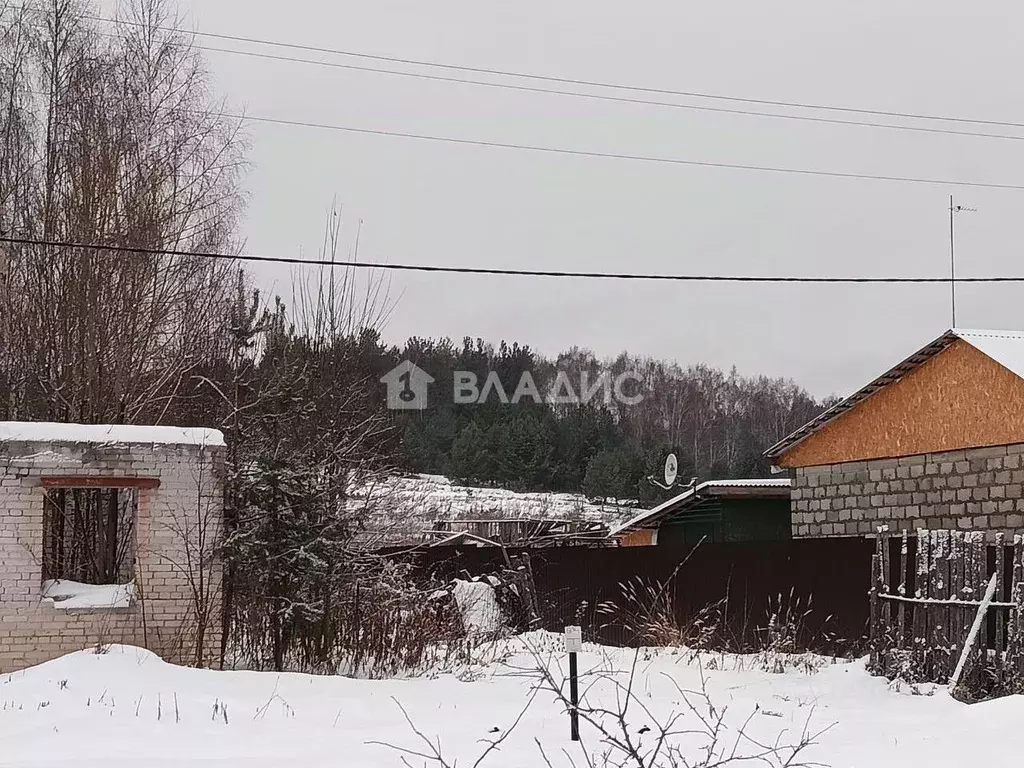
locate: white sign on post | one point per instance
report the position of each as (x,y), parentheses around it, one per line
(574,640)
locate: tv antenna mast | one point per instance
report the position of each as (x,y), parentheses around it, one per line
(671,475)
(953,210)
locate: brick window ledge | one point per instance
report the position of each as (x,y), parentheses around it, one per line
(98,481)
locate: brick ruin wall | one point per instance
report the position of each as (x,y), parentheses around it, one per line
(973,489)
(177,523)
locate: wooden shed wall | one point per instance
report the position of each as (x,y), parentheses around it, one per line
(642,537)
(961,398)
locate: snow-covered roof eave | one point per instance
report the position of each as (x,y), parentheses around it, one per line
(106,434)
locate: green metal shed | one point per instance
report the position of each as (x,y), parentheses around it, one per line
(717,510)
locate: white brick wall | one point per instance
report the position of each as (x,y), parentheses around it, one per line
(177,532)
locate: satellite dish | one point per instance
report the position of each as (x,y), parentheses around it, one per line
(671,469)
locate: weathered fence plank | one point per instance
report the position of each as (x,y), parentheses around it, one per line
(921,593)
(963,601)
(901,610)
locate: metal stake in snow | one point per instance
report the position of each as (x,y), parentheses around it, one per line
(972,638)
(574,645)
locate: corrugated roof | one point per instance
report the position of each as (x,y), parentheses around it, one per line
(652,515)
(1005,347)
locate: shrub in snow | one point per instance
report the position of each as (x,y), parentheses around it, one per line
(306,599)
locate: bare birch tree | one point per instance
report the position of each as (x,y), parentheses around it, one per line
(110,137)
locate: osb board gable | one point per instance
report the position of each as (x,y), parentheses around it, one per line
(960,398)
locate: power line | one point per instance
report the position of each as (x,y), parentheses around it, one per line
(610,155)
(610,98)
(618,155)
(615,155)
(569,93)
(568,80)
(497,271)
(602,97)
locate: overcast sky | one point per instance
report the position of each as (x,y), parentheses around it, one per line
(432,203)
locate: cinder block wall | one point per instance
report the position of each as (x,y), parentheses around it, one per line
(178,527)
(974,489)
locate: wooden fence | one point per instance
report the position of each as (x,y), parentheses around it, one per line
(926,592)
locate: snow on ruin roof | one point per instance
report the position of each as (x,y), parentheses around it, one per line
(652,515)
(398,509)
(54,432)
(1005,347)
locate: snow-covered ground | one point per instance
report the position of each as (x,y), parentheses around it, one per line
(404,506)
(127,708)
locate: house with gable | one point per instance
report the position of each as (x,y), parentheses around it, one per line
(937,441)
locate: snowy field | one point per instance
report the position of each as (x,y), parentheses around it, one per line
(127,708)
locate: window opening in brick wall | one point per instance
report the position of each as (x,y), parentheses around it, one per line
(89,535)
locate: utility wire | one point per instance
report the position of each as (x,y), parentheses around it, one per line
(125,249)
(608,97)
(609,155)
(598,96)
(618,155)
(567,80)
(569,93)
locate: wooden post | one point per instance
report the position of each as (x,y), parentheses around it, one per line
(972,574)
(1016,654)
(973,638)
(904,567)
(981,580)
(886,605)
(970,569)
(957,620)
(1015,644)
(875,641)
(1000,628)
(945,593)
(921,592)
(934,640)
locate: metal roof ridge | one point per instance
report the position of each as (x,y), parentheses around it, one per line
(648,513)
(987,332)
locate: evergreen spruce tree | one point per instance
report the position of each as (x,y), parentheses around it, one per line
(471,459)
(523,447)
(614,473)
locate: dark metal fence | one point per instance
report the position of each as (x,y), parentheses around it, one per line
(822,585)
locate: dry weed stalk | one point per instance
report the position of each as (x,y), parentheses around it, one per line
(695,733)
